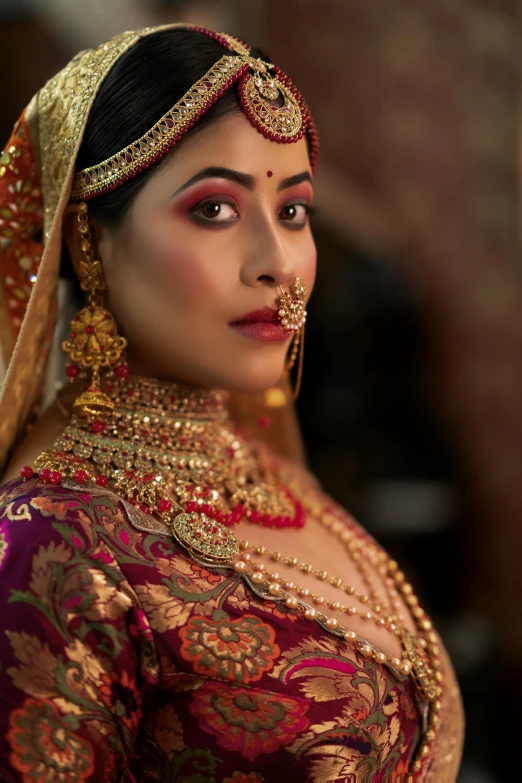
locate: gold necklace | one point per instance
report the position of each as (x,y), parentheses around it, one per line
(171,451)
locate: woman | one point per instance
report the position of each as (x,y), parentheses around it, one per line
(181,602)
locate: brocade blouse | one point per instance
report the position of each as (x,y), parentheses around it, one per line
(124,660)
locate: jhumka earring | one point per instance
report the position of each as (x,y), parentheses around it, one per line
(94,343)
(292,315)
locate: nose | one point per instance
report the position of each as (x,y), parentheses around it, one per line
(270,262)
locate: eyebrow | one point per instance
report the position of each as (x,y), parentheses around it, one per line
(289,182)
(247,181)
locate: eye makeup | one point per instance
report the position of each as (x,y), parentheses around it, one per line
(215,204)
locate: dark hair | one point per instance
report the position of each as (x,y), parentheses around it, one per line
(142,86)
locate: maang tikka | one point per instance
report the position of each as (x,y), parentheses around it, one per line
(94,343)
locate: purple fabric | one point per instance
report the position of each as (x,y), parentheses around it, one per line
(122,659)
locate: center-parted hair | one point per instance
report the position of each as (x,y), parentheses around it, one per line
(141,87)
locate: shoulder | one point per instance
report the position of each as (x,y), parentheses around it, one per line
(36,516)
(34,503)
(41,523)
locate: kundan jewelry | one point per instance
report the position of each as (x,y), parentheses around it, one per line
(267,96)
(94,341)
(171,451)
(292,313)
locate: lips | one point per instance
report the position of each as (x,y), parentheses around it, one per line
(262,324)
(264,314)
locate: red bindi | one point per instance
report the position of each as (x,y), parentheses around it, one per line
(269,173)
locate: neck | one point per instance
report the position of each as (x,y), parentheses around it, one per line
(138,394)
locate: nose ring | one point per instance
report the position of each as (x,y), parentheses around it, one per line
(292,305)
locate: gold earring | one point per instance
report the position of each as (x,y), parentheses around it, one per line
(94,342)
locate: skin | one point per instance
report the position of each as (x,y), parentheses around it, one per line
(179,272)
(190,258)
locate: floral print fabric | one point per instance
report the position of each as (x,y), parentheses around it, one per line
(124,660)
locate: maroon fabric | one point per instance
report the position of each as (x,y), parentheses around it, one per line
(122,659)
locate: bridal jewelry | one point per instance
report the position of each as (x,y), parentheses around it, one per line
(292,306)
(268,98)
(292,314)
(171,451)
(94,342)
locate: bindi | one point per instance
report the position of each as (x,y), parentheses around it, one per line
(269,173)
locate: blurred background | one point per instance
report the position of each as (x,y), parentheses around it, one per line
(412,398)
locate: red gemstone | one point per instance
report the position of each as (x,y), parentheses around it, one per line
(101,480)
(55,477)
(97,427)
(264,422)
(164,506)
(145,508)
(81,476)
(71,371)
(27,472)
(89,329)
(192,506)
(44,474)
(206,509)
(122,370)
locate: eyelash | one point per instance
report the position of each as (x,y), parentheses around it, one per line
(211,223)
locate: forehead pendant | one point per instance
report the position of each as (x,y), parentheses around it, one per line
(268,98)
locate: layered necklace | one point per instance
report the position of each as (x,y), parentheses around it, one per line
(172,452)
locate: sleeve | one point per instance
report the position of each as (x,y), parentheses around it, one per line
(71,644)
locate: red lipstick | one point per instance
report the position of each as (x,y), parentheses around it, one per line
(262,324)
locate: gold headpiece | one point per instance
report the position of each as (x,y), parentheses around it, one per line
(36,179)
(259,90)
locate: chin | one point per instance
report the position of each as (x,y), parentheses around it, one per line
(254,379)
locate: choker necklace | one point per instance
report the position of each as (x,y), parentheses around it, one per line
(172,451)
(170,448)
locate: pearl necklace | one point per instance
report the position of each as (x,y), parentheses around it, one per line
(159,431)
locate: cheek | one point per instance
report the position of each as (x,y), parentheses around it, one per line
(174,268)
(309,265)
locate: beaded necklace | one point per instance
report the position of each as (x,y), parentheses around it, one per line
(171,451)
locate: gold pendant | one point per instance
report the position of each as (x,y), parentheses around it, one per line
(423,678)
(202,536)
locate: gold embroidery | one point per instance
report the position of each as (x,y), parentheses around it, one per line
(165,611)
(63,107)
(166,729)
(42,571)
(36,674)
(21,513)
